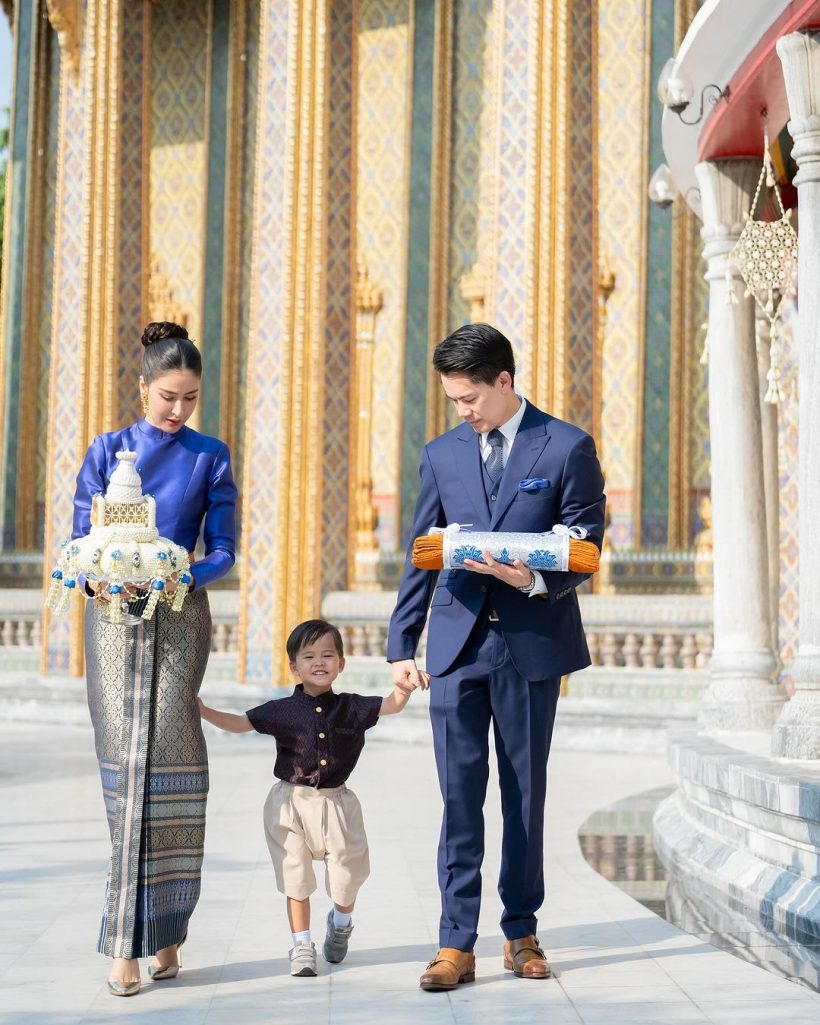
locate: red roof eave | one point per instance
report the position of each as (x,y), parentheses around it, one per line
(735,127)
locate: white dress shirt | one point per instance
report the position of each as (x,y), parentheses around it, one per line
(508,432)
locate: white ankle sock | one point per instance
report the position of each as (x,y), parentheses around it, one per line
(301,937)
(340,919)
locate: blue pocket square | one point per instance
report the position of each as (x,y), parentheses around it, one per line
(533,484)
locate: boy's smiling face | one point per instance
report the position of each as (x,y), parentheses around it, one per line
(317,665)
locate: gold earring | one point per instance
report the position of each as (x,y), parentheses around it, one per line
(144,400)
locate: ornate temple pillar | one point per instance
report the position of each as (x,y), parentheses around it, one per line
(797,731)
(300,327)
(23,263)
(771,476)
(741,694)
(99,265)
(365,548)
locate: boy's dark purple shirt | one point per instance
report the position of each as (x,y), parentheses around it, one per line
(318,740)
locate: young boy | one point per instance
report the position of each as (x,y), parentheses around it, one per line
(310,815)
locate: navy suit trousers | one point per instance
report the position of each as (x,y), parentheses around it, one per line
(481,688)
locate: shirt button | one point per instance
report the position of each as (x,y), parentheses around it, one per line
(318,708)
(492,498)
(483,588)
(323,762)
(321,736)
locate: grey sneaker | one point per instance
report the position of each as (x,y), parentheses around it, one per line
(336,940)
(303,960)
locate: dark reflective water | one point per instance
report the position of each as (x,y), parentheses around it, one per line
(617,842)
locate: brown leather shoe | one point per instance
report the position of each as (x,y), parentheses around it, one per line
(448,968)
(526,958)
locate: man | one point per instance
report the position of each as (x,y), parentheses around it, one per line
(500,637)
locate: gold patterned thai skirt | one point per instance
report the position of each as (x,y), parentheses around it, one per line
(142,687)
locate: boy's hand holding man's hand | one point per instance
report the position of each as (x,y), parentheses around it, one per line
(406,673)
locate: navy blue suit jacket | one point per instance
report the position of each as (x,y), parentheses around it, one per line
(544,634)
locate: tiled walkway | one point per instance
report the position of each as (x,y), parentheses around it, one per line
(615,962)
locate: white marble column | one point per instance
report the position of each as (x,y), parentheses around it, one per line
(741,694)
(797,731)
(771,471)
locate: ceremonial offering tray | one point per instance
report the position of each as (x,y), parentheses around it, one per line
(123,552)
(560,549)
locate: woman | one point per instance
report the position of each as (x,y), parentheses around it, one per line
(143,681)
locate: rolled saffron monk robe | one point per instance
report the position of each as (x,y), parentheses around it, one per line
(560,549)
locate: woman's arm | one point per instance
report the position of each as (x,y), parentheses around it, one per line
(232,722)
(219,532)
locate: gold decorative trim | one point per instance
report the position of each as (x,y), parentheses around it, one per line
(369,301)
(597,311)
(297,519)
(25,519)
(685,261)
(54,481)
(66,20)
(473,287)
(352,425)
(640,356)
(548,238)
(232,251)
(436,421)
(147,121)
(162,304)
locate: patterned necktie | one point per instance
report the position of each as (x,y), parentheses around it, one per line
(495,460)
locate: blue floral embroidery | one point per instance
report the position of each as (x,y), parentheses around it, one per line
(466,552)
(542,559)
(504,556)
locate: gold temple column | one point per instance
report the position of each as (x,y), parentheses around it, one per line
(286,434)
(22,304)
(369,301)
(538,225)
(94,270)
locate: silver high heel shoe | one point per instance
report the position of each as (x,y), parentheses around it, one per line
(123,989)
(170,971)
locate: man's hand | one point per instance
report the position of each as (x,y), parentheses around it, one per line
(516,575)
(406,674)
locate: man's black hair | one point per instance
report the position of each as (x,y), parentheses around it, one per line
(478,351)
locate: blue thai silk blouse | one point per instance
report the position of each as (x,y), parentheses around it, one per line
(189,475)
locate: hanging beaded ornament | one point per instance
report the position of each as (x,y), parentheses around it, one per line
(123,551)
(766,257)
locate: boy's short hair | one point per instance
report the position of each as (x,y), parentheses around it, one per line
(308,633)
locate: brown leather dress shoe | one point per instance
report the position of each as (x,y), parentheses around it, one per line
(448,968)
(526,958)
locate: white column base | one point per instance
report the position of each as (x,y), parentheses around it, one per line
(796,733)
(741,695)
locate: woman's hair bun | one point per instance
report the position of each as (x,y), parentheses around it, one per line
(159,329)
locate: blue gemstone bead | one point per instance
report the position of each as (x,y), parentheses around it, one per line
(158,585)
(70,583)
(115,589)
(57,574)
(185,578)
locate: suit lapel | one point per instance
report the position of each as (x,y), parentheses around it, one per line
(467,459)
(530,441)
